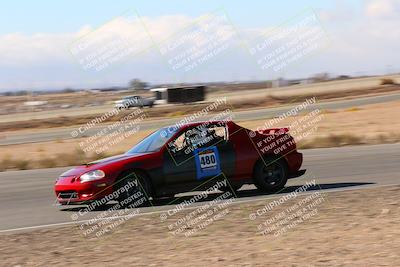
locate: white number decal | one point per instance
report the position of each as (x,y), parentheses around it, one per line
(208,160)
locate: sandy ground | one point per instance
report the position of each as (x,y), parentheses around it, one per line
(350,228)
(370,124)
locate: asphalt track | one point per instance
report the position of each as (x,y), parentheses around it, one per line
(27,198)
(255,114)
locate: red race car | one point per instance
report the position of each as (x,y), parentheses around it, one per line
(181,158)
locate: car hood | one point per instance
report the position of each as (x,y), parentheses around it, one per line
(100,163)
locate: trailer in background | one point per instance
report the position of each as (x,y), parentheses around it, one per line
(181,94)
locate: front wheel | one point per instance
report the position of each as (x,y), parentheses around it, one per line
(132,191)
(270,174)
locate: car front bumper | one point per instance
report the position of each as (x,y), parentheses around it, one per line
(69,191)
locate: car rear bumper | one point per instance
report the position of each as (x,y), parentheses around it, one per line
(294,161)
(297,174)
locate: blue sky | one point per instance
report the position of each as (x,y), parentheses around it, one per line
(36,36)
(62,16)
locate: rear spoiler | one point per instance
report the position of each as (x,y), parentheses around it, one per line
(274,131)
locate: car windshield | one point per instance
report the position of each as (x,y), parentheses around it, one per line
(154,141)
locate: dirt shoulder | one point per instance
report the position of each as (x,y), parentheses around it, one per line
(350,228)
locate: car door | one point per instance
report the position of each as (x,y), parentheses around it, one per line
(179,162)
(198,154)
(218,141)
(213,152)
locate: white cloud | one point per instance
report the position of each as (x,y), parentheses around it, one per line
(21,49)
(341,12)
(358,44)
(383,9)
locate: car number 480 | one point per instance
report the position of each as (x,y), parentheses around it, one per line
(208,160)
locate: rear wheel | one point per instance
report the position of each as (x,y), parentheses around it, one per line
(133,190)
(270,174)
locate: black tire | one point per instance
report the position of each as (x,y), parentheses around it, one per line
(270,174)
(135,196)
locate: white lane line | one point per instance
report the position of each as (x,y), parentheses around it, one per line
(236,201)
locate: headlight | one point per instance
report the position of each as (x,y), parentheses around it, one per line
(92,175)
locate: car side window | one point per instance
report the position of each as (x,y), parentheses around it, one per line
(198,137)
(179,142)
(205,136)
(216,135)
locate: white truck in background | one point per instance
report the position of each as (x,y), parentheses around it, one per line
(134,101)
